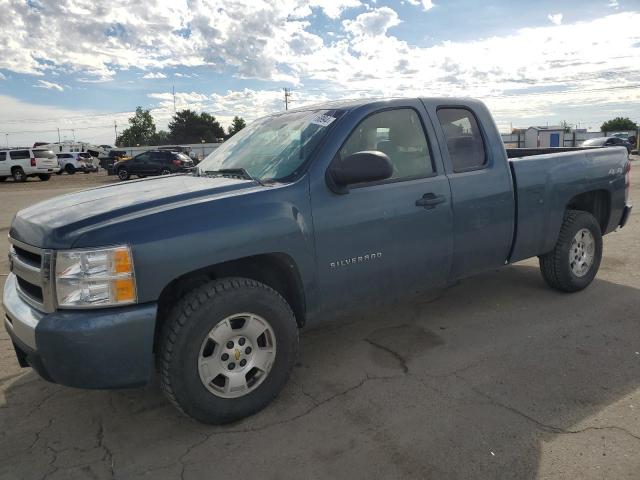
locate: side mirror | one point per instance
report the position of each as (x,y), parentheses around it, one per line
(360,167)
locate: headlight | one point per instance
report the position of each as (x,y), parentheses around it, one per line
(101,277)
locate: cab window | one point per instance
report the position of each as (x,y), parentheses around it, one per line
(464,140)
(398,134)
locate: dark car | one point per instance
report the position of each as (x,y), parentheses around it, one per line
(153,162)
(607,142)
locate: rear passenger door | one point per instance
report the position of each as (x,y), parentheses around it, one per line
(21,158)
(481,188)
(157,161)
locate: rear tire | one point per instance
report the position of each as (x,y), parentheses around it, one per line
(165,171)
(44,177)
(18,175)
(574,262)
(215,313)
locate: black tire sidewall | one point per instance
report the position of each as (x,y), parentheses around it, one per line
(122,177)
(19,175)
(194,398)
(567,277)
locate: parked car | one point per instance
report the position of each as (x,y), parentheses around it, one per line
(153,162)
(21,163)
(186,149)
(300,215)
(112,158)
(72,162)
(607,142)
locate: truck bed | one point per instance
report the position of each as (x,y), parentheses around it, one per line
(528,152)
(545,184)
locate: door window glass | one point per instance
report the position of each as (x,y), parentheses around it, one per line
(398,134)
(19,154)
(464,141)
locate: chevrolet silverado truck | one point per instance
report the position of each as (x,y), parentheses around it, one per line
(206,278)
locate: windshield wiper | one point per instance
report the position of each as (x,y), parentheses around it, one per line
(233,173)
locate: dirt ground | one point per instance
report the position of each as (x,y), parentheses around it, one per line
(496,377)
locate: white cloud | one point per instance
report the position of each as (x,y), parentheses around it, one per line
(49,85)
(613,4)
(372,24)
(2,77)
(153,75)
(274,40)
(426,4)
(555,18)
(334,8)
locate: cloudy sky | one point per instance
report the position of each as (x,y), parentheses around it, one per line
(83,64)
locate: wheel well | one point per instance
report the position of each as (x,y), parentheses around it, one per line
(16,167)
(597,203)
(276,270)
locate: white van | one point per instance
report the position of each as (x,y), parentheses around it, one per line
(21,163)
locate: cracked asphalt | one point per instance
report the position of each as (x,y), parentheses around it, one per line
(495,377)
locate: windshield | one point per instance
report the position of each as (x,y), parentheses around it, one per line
(272,148)
(594,142)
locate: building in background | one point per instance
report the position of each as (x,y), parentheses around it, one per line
(544,137)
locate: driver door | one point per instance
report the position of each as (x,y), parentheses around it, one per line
(381,239)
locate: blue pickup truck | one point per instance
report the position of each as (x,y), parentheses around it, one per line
(206,278)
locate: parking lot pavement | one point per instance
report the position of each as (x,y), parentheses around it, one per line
(495,377)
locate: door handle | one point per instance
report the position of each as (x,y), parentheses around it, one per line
(430,200)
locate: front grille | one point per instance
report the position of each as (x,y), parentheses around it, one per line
(33,258)
(34,291)
(32,267)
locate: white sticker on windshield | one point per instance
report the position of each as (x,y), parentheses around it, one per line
(323,120)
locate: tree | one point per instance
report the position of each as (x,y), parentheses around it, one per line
(566,126)
(188,126)
(140,131)
(161,137)
(237,124)
(619,124)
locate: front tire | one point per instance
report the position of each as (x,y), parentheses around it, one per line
(70,169)
(227,349)
(165,171)
(574,262)
(44,177)
(123,174)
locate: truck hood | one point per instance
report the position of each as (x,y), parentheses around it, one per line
(57,222)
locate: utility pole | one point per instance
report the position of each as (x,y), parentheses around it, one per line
(115,129)
(58,134)
(7,135)
(287,95)
(174,99)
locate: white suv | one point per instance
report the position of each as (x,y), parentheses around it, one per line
(72,162)
(21,163)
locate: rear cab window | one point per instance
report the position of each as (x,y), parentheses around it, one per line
(464,140)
